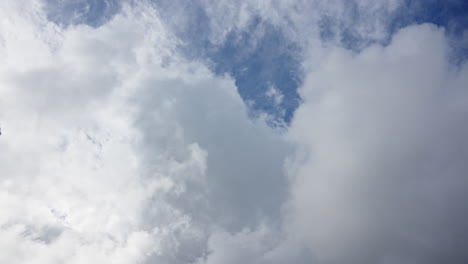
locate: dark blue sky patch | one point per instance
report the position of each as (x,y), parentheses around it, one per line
(266,69)
(347,27)
(265,64)
(90,12)
(450,14)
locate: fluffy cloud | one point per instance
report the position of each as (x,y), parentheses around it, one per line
(383,171)
(116,148)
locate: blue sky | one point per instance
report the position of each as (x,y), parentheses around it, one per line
(248,131)
(258,63)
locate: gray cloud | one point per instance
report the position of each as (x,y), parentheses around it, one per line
(385,131)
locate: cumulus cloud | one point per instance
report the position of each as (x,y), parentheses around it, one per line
(114,149)
(117,148)
(383,171)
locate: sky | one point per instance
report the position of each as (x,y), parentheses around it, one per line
(218,132)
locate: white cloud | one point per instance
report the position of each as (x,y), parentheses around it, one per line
(384,136)
(114,149)
(275,95)
(71,185)
(301,22)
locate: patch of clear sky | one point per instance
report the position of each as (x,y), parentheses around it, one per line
(259,64)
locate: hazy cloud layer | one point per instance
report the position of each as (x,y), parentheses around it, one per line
(118,147)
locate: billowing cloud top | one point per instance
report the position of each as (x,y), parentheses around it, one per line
(213,132)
